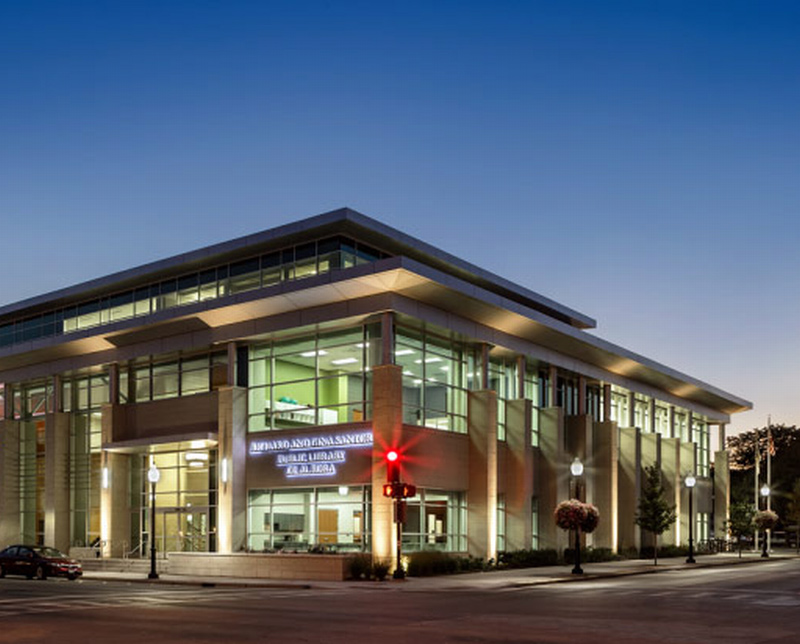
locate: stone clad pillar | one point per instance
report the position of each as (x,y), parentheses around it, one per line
(519,474)
(630,486)
(115,488)
(552,476)
(482,509)
(722,492)
(9,475)
(56,481)
(670,470)
(231,463)
(605,476)
(387,430)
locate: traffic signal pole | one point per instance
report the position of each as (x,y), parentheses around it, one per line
(399,573)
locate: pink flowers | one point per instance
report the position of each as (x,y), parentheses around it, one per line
(576,515)
(765,520)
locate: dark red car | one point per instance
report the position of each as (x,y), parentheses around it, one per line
(38,561)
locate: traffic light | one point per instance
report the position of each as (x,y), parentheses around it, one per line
(392,465)
(398,490)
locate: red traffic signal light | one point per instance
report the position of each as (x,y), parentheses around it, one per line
(392,465)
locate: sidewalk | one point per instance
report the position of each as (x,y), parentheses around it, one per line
(503,579)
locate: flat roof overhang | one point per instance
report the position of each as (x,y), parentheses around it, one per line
(399,275)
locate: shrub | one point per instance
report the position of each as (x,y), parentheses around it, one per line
(432,562)
(527,558)
(360,566)
(379,570)
(591,555)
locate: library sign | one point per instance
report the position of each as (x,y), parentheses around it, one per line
(311,455)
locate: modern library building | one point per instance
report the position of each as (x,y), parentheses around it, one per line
(266,378)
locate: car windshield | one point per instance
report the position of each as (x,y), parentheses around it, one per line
(48,552)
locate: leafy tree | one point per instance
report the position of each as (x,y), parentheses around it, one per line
(793,509)
(740,523)
(654,514)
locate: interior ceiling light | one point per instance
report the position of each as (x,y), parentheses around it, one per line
(404,352)
(196,456)
(311,354)
(344,361)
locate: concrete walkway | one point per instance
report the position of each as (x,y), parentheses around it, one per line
(502,579)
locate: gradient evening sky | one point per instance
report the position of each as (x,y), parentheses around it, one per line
(637,161)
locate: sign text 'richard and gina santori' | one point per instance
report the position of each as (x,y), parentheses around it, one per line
(314,455)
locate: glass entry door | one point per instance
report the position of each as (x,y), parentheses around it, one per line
(183,529)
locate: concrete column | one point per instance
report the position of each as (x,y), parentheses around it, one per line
(231,463)
(519,474)
(113,384)
(632,410)
(672,422)
(387,338)
(578,438)
(670,469)
(9,475)
(552,479)
(630,485)
(581,395)
(605,484)
(231,376)
(652,427)
(721,445)
(687,465)
(387,428)
(115,506)
(552,381)
(521,368)
(484,366)
(482,509)
(606,403)
(722,492)
(58,394)
(56,481)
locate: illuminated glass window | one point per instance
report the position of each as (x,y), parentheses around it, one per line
(435,521)
(331,519)
(316,379)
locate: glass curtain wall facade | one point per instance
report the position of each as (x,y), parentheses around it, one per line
(437,373)
(83,397)
(310,380)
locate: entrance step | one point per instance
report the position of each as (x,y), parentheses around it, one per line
(123,565)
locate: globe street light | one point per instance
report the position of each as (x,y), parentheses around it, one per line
(765,495)
(153,475)
(576,469)
(690,482)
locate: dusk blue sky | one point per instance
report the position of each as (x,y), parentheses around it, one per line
(636,161)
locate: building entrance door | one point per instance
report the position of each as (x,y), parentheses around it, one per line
(184,529)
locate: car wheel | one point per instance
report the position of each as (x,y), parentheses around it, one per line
(72,577)
(2,571)
(41,573)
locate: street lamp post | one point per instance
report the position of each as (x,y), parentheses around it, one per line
(576,469)
(765,495)
(690,482)
(153,475)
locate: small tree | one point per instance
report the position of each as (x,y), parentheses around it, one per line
(740,523)
(654,514)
